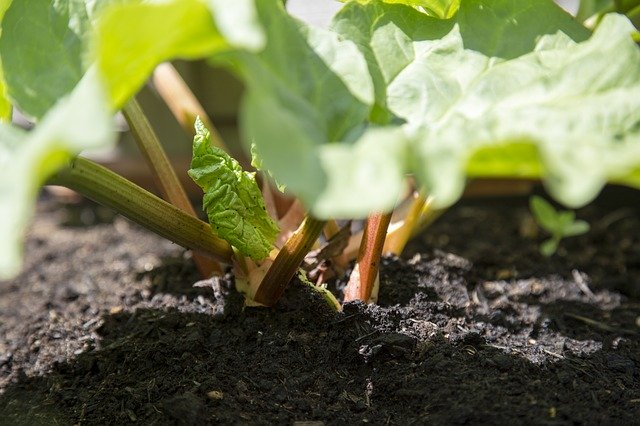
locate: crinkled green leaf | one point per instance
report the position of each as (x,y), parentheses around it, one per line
(232,199)
(42,50)
(133,38)
(77,122)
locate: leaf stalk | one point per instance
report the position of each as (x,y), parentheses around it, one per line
(135,203)
(288,261)
(166,177)
(363,280)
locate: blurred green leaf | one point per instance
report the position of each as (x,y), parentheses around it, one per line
(547,101)
(42,50)
(544,213)
(79,121)
(132,38)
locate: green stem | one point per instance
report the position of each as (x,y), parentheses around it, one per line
(182,102)
(288,261)
(398,238)
(156,157)
(114,191)
(159,162)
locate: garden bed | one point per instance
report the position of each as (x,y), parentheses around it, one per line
(473,326)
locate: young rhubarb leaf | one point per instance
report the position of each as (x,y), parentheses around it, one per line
(128,47)
(79,121)
(232,199)
(42,49)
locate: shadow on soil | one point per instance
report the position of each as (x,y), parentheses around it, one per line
(420,362)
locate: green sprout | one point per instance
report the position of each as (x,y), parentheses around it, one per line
(559,223)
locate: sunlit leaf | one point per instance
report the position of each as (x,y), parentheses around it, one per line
(77,122)
(133,38)
(232,199)
(42,50)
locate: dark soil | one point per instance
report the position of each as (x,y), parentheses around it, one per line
(473,326)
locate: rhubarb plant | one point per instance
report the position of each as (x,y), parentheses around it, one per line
(398,102)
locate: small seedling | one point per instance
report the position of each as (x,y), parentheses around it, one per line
(559,223)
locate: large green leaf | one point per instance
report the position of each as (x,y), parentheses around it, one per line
(505,88)
(391,36)
(43,61)
(232,199)
(42,50)
(498,91)
(133,38)
(324,163)
(575,102)
(77,122)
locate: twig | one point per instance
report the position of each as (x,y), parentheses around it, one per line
(580,281)
(599,325)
